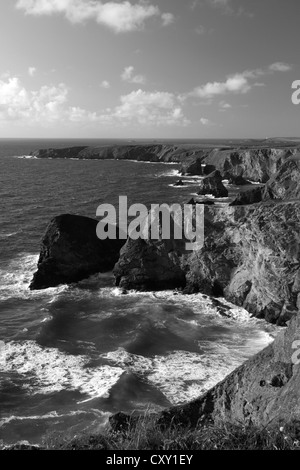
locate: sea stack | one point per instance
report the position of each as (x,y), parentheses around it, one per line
(71,251)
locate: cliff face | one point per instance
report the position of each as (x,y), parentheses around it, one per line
(251,256)
(263,391)
(71,251)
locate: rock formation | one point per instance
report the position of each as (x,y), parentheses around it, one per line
(71,252)
(252,196)
(179,183)
(212,184)
(235,180)
(144,265)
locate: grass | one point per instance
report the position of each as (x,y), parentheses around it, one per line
(145,434)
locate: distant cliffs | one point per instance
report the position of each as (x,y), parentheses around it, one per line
(143,153)
(254,164)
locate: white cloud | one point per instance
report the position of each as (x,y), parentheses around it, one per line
(49,106)
(151,108)
(280,67)
(119,16)
(227,7)
(105,84)
(206,122)
(167,18)
(128,76)
(31,71)
(237,84)
(17,103)
(224,105)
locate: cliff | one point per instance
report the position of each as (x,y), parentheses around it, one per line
(251,256)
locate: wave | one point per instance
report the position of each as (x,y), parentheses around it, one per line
(8,235)
(180,375)
(48,370)
(16,277)
(50,415)
(26,157)
(171,173)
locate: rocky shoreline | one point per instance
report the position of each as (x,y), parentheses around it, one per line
(251,256)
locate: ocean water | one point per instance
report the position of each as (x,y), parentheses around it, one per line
(75,354)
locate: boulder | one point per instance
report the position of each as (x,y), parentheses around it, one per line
(207,202)
(179,183)
(252,196)
(212,184)
(71,251)
(236,180)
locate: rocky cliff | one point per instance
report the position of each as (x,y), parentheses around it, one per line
(251,256)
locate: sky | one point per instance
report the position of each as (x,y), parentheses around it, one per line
(149,69)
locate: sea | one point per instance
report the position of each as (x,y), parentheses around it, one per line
(71,356)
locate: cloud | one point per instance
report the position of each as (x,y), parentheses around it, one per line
(19,104)
(227,7)
(238,84)
(31,71)
(280,67)
(49,106)
(121,17)
(206,122)
(167,18)
(223,105)
(151,108)
(128,76)
(105,84)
